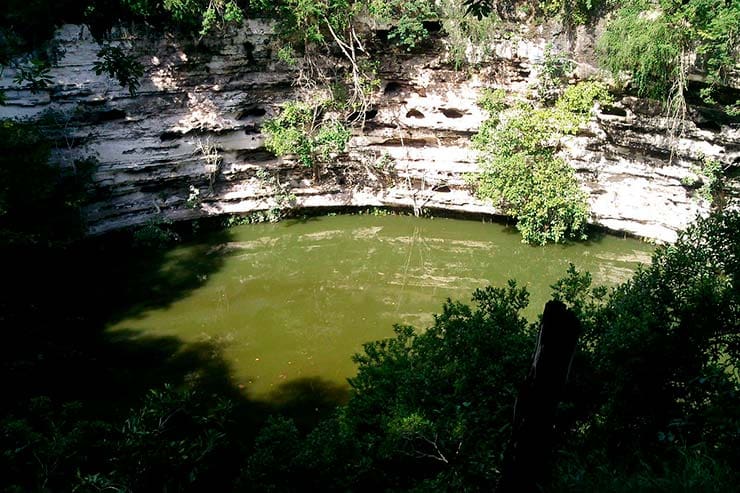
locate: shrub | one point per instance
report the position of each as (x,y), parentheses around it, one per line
(406,18)
(300,129)
(651,41)
(519,170)
(660,352)
(429,411)
(39,202)
(155,234)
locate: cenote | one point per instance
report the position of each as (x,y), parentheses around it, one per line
(294,300)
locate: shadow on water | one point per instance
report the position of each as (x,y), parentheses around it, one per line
(55,342)
(308,399)
(305,219)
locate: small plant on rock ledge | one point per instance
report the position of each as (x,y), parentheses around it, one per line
(553,70)
(304,130)
(281,193)
(212,158)
(710,183)
(155,234)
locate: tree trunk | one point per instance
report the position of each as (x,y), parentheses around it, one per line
(527,459)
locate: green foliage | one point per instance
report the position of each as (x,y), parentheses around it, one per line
(331,137)
(301,130)
(493,101)
(281,194)
(519,169)
(713,183)
(407,19)
(36,75)
(269,468)
(710,182)
(572,12)
(429,409)
(553,72)
(646,45)
(39,203)
(469,40)
(174,441)
(287,55)
(116,63)
(688,469)
(660,352)
(305,22)
(647,39)
(579,99)
(155,234)
(201,16)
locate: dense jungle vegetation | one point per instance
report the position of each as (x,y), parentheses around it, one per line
(653,403)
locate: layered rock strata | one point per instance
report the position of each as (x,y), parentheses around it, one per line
(189,143)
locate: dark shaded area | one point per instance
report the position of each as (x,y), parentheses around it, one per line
(251,111)
(106,115)
(170,135)
(414,113)
(56,350)
(528,455)
(452,112)
(368,115)
(307,400)
(394,87)
(432,26)
(259,155)
(249,51)
(608,109)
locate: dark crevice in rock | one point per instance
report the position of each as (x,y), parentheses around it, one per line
(260,155)
(703,114)
(369,115)
(432,26)
(106,116)
(170,135)
(371,125)
(613,110)
(452,112)
(382,35)
(710,125)
(408,142)
(249,50)
(398,87)
(251,111)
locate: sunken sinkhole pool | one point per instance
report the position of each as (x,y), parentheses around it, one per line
(295,300)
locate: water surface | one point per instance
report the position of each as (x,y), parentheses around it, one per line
(296,299)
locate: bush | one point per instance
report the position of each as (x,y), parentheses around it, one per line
(300,129)
(176,440)
(648,40)
(520,171)
(406,18)
(39,202)
(646,45)
(155,234)
(660,352)
(429,411)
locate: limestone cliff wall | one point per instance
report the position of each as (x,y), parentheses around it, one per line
(413,151)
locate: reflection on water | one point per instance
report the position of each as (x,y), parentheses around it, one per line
(293,301)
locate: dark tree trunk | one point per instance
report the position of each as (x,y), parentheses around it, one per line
(527,460)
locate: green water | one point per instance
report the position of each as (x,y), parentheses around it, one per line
(296,299)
